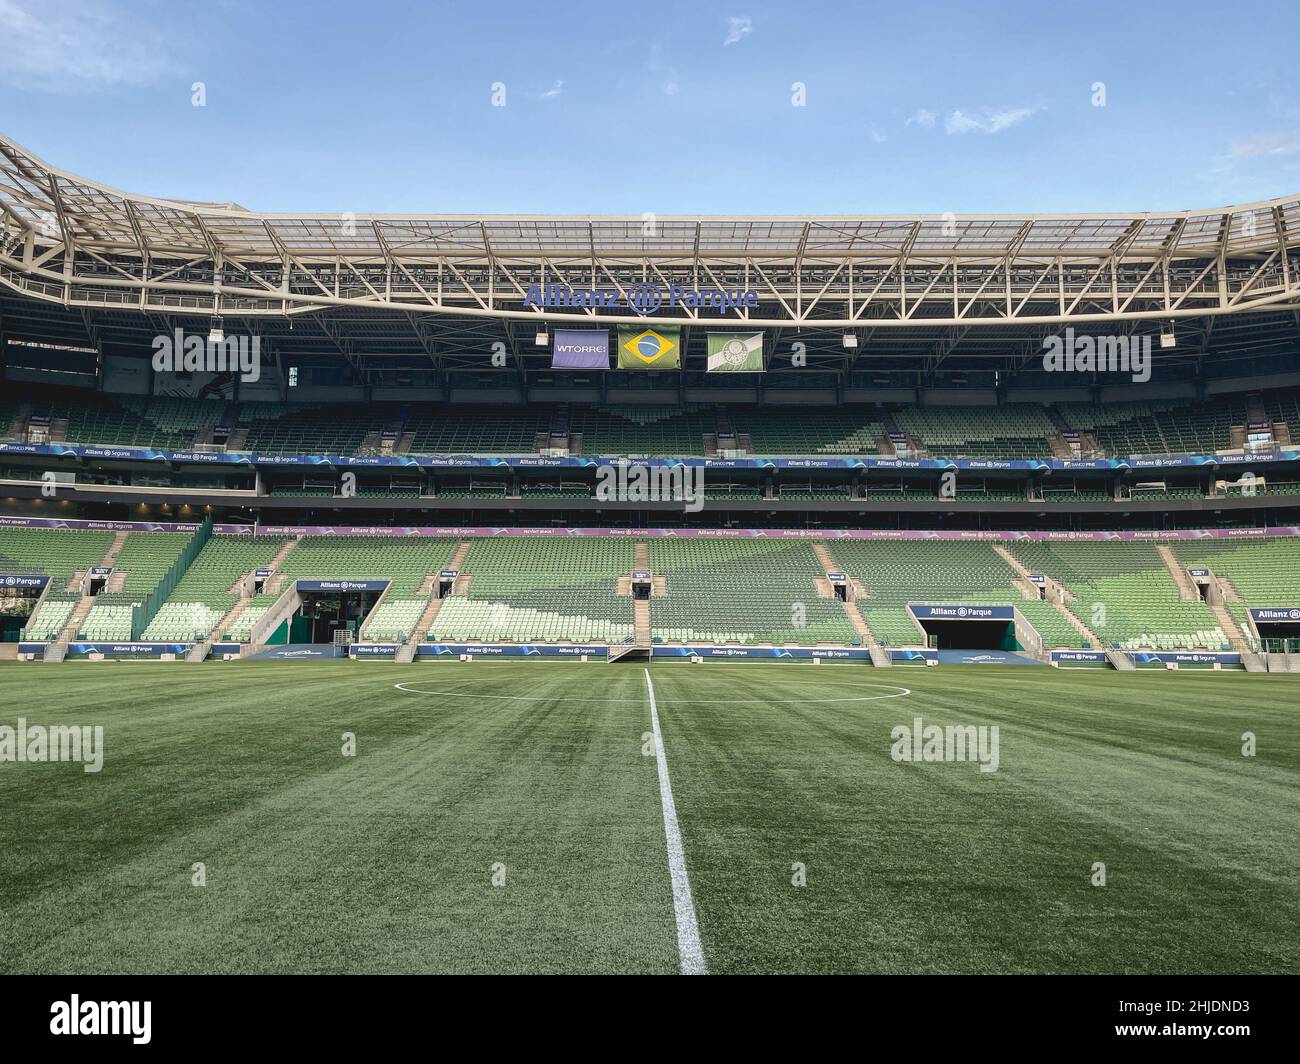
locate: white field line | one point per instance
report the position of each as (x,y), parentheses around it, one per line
(898,692)
(688,929)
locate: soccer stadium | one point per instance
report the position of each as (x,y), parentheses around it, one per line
(523,593)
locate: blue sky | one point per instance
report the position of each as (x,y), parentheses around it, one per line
(667,107)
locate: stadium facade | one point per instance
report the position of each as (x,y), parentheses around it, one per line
(907,435)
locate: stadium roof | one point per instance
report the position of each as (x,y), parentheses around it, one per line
(911,284)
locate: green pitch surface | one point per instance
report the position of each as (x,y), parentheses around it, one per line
(536,775)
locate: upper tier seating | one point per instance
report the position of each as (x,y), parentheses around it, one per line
(812,431)
(494,431)
(1011,430)
(1158,427)
(645,430)
(307,428)
(1017,430)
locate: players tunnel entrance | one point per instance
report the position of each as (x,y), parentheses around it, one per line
(971,635)
(19,599)
(325,612)
(1279,629)
(967,627)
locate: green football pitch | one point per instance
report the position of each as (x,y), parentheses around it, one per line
(511,817)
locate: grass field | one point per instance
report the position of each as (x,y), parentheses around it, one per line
(385,861)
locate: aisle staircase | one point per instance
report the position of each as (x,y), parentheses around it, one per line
(58,650)
(407,652)
(879,655)
(1187,590)
(1116,657)
(200,651)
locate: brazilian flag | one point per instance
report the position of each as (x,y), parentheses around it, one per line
(646,348)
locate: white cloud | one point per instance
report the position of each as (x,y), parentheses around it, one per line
(738,27)
(1266,146)
(921,118)
(669,82)
(71,46)
(556,88)
(987,119)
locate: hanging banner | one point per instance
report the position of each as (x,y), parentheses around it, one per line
(649,348)
(580,349)
(735,352)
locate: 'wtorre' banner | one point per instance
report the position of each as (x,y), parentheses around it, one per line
(580,349)
(640,348)
(735,352)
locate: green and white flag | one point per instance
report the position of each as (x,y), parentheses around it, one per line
(735,352)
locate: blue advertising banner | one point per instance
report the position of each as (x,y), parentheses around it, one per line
(1079,657)
(799,653)
(1185,657)
(445,461)
(126,650)
(373,650)
(962,613)
(580,349)
(32,581)
(519,650)
(1276,614)
(341,585)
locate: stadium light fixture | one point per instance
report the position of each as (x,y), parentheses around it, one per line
(1168,339)
(216,334)
(850,340)
(542,338)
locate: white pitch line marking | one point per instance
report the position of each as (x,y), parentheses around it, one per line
(688,929)
(899,692)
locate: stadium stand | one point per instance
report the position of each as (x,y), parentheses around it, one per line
(454,431)
(1252,573)
(50,617)
(1011,431)
(1124,591)
(647,430)
(306,428)
(56,553)
(208,589)
(407,564)
(743,591)
(1159,426)
(833,431)
(523,590)
(941,572)
(139,568)
(404,562)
